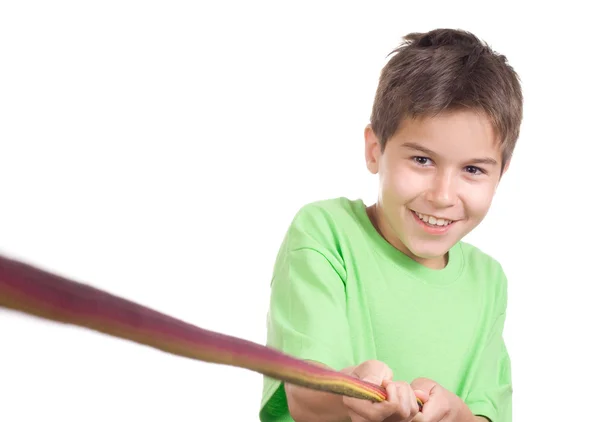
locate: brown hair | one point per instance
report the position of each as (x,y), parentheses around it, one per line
(446,70)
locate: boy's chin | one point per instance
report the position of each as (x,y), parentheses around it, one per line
(430,253)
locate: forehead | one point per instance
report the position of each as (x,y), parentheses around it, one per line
(458,133)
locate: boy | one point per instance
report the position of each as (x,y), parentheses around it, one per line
(389,292)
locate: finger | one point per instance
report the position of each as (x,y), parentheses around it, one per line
(422,395)
(415,397)
(355,417)
(435,409)
(374,368)
(392,391)
(361,410)
(387,374)
(423,384)
(374,411)
(430,415)
(408,401)
(423,388)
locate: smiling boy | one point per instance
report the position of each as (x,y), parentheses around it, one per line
(390,292)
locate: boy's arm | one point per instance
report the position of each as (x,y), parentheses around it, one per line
(490,393)
(401,403)
(307,312)
(310,405)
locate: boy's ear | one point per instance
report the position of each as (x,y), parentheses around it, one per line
(372,150)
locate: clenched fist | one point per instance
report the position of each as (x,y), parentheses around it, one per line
(442,404)
(401,405)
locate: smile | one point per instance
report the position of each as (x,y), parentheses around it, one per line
(432,221)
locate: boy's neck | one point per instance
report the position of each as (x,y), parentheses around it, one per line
(377,221)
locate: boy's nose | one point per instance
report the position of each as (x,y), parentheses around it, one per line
(443,191)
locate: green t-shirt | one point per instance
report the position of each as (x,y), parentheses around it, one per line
(341,295)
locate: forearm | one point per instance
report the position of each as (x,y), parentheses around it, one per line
(466,415)
(315,406)
(307,405)
(469,417)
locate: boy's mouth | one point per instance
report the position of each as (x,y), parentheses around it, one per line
(432,221)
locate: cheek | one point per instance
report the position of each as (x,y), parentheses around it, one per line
(477,202)
(403,184)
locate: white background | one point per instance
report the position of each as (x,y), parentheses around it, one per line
(158,150)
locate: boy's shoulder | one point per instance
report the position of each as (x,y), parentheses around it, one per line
(338,228)
(327,218)
(477,255)
(337,206)
(483,268)
(477,258)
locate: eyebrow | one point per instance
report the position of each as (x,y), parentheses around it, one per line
(415,146)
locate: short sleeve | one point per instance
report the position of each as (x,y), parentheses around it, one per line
(490,394)
(307,311)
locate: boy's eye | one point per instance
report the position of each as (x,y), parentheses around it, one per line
(421,160)
(474,170)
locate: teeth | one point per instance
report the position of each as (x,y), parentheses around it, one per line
(434,221)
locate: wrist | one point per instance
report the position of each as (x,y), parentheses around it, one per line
(465,414)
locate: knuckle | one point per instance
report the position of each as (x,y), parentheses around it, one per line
(403,389)
(375,414)
(405,413)
(420,381)
(414,411)
(402,385)
(375,368)
(376,364)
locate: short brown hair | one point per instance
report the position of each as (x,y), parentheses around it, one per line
(446,70)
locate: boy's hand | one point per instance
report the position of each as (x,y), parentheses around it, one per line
(401,405)
(442,405)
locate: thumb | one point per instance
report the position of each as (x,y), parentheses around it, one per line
(423,384)
(423,388)
(374,379)
(422,395)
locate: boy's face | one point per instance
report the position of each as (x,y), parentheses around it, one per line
(444,170)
